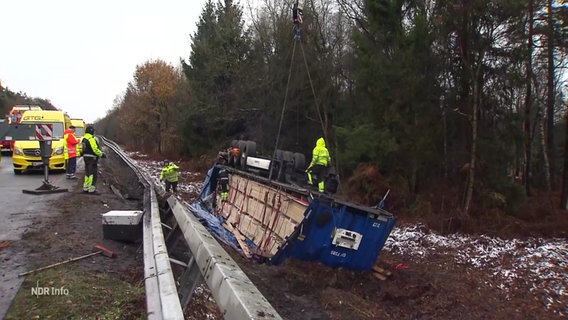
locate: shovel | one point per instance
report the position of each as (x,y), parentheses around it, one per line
(98,250)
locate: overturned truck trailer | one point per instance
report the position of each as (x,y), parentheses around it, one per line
(286,220)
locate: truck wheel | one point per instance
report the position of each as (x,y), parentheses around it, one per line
(279,165)
(241,144)
(249,149)
(288,157)
(288,166)
(299,161)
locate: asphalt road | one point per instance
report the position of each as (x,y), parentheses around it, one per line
(18,211)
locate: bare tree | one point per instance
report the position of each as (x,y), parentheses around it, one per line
(550,97)
(528,100)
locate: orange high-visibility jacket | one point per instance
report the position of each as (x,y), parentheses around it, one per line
(70,145)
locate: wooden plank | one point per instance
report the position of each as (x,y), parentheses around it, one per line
(290,226)
(379,276)
(380,273)
(257,210)
(232,212)
(257,190)
(273,245)
(232,219)
(240,239)
(257,231)
(296,211)
(280,227)
(245,222)
(378,269)
(247,226)
(262,213)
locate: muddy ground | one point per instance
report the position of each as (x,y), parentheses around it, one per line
(73,232)
(437,289)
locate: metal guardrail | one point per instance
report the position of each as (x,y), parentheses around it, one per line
(235,294)
(171,307)
(162,301)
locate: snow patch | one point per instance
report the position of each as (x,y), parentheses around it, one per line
(540,264)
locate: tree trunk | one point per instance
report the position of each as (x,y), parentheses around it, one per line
(528,102)
(550,97)
(471,175)
(445,134)
(159,120)
(544,153)
(564,196)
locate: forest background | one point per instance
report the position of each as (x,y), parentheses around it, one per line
(457,107)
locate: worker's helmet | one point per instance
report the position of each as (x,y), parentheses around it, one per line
(90,129)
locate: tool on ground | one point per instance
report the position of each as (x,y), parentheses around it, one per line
(97,250)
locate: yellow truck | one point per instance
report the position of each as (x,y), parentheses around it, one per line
(27,154)
(79,125)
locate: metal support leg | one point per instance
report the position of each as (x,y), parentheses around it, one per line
(188,281)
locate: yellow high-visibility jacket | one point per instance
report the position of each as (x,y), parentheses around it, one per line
(320,154)
(170,172)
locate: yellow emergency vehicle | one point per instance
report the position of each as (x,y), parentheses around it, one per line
(79,125)
(27,154)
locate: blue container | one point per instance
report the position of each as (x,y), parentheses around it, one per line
(338,235)
(335,232)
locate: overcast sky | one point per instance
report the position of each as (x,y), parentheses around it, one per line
(81,55)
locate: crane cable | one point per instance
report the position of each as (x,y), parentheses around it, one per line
(283,107)
(314,94)
(297,39)
(297,16)
(323,129)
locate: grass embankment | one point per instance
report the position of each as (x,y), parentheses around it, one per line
(69,293)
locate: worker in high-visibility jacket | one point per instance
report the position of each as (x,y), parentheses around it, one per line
(91,155)
(70,142)
(318,168)
(223,180)
(169,175)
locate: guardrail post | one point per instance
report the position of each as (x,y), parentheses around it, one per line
(188,281)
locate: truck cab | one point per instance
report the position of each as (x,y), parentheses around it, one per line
(27,153)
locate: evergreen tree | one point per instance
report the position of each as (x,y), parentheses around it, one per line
(215,77)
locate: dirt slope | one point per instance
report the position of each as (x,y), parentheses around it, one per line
(433,288)
(435,285)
